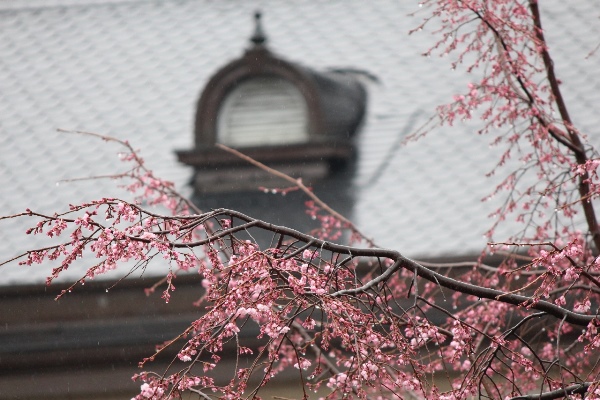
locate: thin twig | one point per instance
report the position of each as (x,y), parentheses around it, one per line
(298,182)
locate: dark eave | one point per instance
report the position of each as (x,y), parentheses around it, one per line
(214,157)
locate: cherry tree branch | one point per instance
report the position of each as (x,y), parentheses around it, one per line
(298,182)
(371,331)
(577,148)
(421,271)
(579,388)
(556,133)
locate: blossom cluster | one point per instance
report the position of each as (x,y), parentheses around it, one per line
(367,322)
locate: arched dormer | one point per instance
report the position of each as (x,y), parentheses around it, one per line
(277,112)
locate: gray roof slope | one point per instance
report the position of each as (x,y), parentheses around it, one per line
(135,69)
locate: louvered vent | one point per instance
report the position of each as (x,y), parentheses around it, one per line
(263,111)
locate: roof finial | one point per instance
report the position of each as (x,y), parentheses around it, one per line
(258,38)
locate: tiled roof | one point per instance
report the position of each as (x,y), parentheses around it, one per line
(135,69)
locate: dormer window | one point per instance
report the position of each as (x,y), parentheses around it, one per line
(280,113)
(263,111)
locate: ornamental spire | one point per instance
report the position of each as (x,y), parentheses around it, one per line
(258,38)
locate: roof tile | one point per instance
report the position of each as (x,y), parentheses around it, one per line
(135,69)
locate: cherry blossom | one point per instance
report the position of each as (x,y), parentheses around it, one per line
(365,322)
